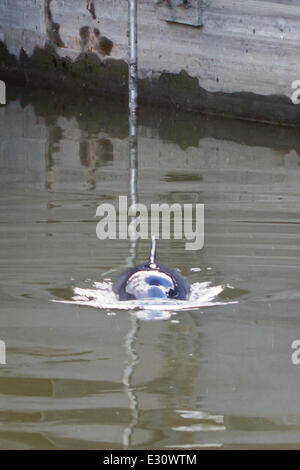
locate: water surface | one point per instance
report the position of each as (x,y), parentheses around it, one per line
(83,377)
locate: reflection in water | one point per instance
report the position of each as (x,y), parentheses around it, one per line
(55,135)
(133,360)
(95,153)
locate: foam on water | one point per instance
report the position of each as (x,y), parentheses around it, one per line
(101,296)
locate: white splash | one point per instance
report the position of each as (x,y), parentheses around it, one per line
(102,296)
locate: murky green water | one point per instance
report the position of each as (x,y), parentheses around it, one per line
(76,377)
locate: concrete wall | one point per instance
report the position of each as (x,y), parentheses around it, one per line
(241,61)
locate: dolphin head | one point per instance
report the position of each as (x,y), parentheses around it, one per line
(149,284)
(151,280)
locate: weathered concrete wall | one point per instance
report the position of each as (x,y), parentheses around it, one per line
(241,61)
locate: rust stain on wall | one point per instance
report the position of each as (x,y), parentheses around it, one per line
(105,45)
(93,41)
(84,34)
(52,28)
(91,8)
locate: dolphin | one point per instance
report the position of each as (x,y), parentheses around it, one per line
(151,280)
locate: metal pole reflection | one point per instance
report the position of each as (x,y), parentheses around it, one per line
(130,340)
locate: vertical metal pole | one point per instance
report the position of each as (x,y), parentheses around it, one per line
(133,93)
(132,35)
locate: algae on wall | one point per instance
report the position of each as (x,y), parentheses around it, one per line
(240,62)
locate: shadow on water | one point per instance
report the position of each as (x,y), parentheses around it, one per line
(207,378)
